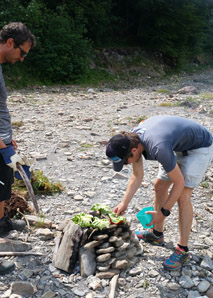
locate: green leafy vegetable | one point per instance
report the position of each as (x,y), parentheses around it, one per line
(100,223)
(104,209)
(116,220)
(83,220)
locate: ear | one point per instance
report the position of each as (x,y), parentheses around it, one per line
(10,43)
(134,150)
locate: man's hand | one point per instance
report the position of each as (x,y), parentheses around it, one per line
(11,157)
(157,217)
(120,208)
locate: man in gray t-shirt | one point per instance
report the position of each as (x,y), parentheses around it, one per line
(15,42)
(184,150)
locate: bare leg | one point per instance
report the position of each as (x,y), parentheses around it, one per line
(1,209)
(161,195)
(185,215)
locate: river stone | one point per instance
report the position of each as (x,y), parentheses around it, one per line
(125,235)
(209,293)
(48,294)
(104,245)
(87,261)
(92,244)
(203,286)
(103,268)
(108,275)
(207,263)
(103,258)
(105,250)
(113,239)
(123,247)
(120,264)
(119,242)
(186,282)
(100,237)
(118,231)
(23,288)
(131,252)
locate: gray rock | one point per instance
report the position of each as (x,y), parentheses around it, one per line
(87,261)
(207,263)
(186,282)
(103,258)
(203,286)
(105,250)
(23,288)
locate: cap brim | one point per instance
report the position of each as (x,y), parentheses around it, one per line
(117,166)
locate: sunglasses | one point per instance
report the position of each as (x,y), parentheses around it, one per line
(23,54)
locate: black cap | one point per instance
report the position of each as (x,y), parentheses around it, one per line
(117,149)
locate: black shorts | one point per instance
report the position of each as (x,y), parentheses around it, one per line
(6,180)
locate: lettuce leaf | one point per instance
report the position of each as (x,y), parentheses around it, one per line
(83,220)
(118,219)
(104,209)
(100,223)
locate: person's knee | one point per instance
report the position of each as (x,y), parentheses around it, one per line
(160,185)
(185,198)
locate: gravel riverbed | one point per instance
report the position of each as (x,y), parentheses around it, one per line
(65,129)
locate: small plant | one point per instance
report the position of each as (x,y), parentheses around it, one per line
(162,90)
(204,184)
(145,284)
(207,95)
(166,104)
(86,145)
(141,119)
(17,123)
(41,184)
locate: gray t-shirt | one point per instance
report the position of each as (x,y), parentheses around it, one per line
(5,122)
(162,135)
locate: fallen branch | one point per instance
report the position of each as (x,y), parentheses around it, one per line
(20,253)
(28,225)
(113,285)
(28,185)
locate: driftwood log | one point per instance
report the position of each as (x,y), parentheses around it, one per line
(68,250)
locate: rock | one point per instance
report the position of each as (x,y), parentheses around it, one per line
(186,282)
(203,286)
(105,250)
(13,245)
(188,89)
(23,288)
(209,293)
(87,261)
(45,234)
(109,274)
(103,258)
(207,263)
(48,294)
(121,264)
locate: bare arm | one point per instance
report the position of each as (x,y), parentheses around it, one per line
(2,144)
(133,185)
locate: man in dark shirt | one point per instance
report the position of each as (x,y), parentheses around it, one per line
(15,42)
(184,150)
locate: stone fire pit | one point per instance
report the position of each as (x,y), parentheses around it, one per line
(100,252)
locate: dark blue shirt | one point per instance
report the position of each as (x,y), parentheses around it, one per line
(162,135)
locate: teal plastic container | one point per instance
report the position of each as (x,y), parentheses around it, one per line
(145,218)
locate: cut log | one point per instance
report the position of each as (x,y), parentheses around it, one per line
(67,254)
